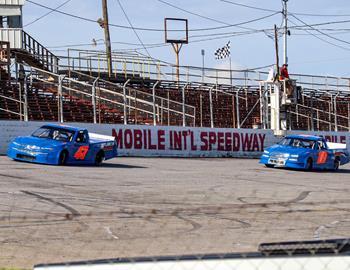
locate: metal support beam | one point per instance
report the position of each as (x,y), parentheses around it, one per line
(335,112)
(25,105)
(237,109)
(312,111)
(184,105)
(60,98)
(154,103)
(211,107)
(125,101)
(94,99)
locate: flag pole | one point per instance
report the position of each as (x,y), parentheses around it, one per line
(230,70)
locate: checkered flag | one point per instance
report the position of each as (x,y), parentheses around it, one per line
(223,52)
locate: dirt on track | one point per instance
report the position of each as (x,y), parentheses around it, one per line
(150,207)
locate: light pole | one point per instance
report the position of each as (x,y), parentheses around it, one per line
(203,54)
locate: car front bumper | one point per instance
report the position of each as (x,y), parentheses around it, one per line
(32,156)
(282,162)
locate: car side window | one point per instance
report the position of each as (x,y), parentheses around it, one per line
(317,146)
(81,137)
(323,146)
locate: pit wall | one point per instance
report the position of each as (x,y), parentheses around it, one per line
(164,141)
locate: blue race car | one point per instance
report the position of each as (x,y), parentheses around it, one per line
(305,152)
(60,145)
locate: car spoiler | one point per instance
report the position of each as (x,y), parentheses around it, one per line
(336,146)
(95,136)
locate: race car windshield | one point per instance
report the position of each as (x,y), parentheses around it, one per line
(52,133)
(299,143)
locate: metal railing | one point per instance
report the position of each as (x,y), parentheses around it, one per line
(135,65)
(21,40)
(134,103)
(21,103)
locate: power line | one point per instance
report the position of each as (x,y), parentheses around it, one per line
(338,39)
(322,39)
(206,17)
(217,36)
(151,29)
(247,6)
(294,13)
(131,25)
(48,13)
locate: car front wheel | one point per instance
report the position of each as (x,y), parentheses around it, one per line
(309,164)
(62,160)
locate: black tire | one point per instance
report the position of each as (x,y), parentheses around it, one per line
(62,160)
(309,164)
(336,164)
(100,156)
(269,165)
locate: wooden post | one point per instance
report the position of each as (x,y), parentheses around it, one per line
(107,38)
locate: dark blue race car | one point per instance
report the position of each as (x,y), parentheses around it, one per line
(305,152)
(60,145)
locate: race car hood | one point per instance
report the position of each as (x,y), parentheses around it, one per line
(38,142)
(287,150)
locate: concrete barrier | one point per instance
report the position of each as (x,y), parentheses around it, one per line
(164,141)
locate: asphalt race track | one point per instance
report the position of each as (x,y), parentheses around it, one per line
(151,207)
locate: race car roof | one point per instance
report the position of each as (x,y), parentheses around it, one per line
(63,126)
(306,137)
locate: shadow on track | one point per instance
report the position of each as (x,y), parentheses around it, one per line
(339,171)
(120,166)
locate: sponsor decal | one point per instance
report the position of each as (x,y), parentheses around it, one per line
(80,154)
(322,157)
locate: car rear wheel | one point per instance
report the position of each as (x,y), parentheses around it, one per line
(336,164)
(62,160)
(309,164)
(100,156)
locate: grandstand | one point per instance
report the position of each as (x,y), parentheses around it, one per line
(86,94)
(76,88)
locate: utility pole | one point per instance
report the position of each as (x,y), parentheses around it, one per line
(276,50)
(107,37)
(285,15)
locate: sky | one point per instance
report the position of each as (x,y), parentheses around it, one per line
(322,49)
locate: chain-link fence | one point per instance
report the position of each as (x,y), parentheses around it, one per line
(137,208)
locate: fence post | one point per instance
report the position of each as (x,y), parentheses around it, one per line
(60,98)
(211,107)
(335,113)
(154,103)
(349,116)
(124,96)
(183,106)
(237,109)
(94,99)
(201,107)
(312,111)
(330,107)
(25,109)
